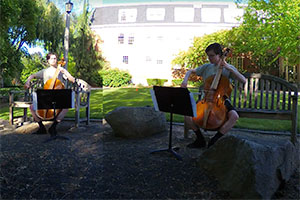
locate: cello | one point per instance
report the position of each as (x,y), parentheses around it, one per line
(211,111)
(52,84)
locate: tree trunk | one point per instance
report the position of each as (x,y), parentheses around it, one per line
(281,66)
(298,74)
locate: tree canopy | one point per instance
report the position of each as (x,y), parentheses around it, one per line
(29,22)
(269,29)
(272,26)
(85,50)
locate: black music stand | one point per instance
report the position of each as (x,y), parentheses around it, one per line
(175,101)
(55,99)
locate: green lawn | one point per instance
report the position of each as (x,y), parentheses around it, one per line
(106,100)
(131,97)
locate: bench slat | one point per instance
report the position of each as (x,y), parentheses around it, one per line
(262,85)
(250,93)
(255,92)
(240,96)
(21,104)
(266,114)
(289,100)
(245,94)
(272,94)
(236,83)
(278,96)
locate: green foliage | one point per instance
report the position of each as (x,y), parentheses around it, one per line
(85,51)
(156,81)
(196,55)
(29,22)
(115,78)
(18,25)
(97,79)
(11,66)
(4,92)
(271,27)
(31,65)
(50,27)
(177,82)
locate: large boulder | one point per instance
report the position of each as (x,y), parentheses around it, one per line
(136,122)
(251,166)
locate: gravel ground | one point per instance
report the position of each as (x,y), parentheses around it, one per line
(93,164)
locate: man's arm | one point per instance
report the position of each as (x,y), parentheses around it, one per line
(27,83)
(67,74)
(186,78)
(237,75)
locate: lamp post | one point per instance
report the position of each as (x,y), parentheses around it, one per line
(69,6)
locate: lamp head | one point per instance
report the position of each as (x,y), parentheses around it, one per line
(69,6)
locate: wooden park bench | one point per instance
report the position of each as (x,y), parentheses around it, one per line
(265,97)
(22,99)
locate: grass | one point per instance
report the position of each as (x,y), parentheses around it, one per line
(105,100)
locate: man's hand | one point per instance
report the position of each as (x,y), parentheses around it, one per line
(27,85)
(183,84)
(224,64)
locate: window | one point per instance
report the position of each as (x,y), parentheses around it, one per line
(159,61)
(184,14)
(125,59)
(130,39)
(155,14)
(121,38)
(160,38)
(211,14)
(127,15)
(148,59)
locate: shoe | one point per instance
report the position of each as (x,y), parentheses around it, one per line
(213,140)
(197,144)
(41,131)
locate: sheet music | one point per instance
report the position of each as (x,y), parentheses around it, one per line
(72,100)
(154,100)
(34,99)
(193,102)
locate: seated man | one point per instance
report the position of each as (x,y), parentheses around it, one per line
(47,74)
(214,53)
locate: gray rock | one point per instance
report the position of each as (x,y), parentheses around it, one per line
(136,122)
(251,167)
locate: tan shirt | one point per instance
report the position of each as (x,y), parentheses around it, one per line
(209,69)
(48,73)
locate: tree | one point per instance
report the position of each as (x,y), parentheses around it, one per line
(18,25)
(196,55)
(85,50)
(271,27)
(29,22)
(50,27)
(269,30)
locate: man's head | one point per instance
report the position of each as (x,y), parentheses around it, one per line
(216,48)
(52,59)
(214,53)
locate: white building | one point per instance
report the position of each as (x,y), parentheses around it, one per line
(144,36)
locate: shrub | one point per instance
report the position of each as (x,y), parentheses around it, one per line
(96,79)
(177,82)
(156,81)
(115,77)
(31,65)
